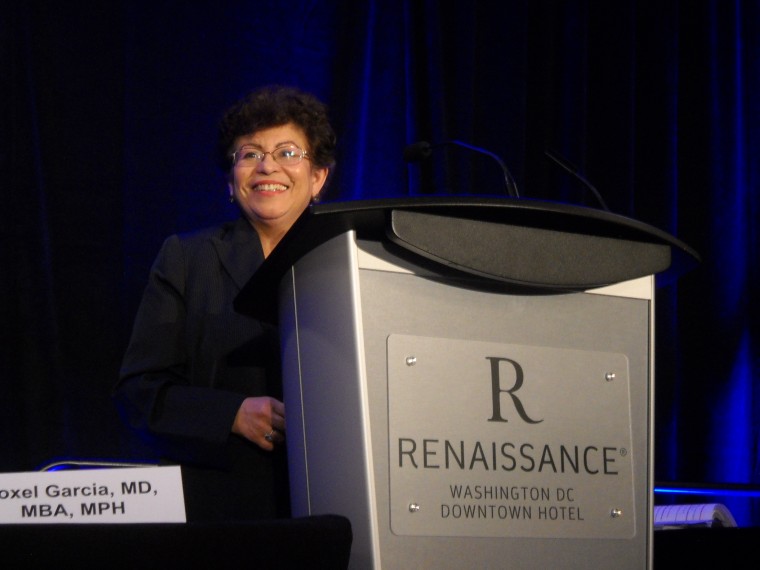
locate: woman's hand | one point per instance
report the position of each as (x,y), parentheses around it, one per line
(262,421)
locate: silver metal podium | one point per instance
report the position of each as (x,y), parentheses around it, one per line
(470,382)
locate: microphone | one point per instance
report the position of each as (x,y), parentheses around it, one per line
(417,152)
(422,150)
(568,167)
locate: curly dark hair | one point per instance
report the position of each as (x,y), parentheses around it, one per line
(274,106)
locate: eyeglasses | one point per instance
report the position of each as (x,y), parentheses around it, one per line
(249,155)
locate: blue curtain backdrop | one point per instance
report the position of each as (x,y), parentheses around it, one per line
(108,124)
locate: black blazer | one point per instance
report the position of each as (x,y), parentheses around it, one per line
(190,363)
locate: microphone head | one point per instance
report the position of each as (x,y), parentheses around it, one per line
(418,151)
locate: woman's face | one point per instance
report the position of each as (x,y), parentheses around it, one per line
(271,195)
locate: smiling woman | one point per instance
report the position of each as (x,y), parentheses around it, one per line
(272,188)
(200,381)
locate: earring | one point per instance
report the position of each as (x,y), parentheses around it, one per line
(232,199)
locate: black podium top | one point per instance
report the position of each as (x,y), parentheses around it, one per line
(523,243)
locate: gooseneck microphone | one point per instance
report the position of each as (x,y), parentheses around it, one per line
(422,150)
(573,171)
(418,151)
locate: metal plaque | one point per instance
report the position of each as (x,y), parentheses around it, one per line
(503,440)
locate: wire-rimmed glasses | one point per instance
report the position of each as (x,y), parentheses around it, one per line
(249,155)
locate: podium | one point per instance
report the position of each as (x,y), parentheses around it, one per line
(470,381)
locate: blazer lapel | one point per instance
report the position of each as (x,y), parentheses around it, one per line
(239,250)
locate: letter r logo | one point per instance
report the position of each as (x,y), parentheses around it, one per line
(497,390)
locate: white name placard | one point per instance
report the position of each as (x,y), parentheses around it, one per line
(122,495)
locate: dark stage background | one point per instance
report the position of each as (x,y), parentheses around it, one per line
(107,127)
